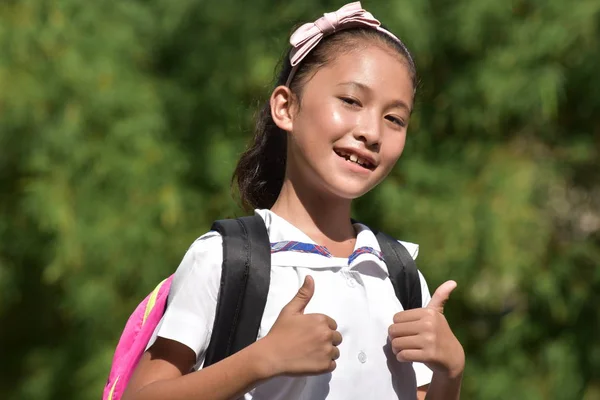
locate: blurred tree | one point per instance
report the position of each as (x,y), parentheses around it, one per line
(120,125)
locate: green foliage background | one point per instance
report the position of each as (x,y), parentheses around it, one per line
(120,125)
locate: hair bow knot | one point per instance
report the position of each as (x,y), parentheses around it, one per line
(308,36)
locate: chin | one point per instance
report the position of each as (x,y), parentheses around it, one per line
(350,190)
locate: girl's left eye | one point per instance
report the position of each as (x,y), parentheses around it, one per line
(396,120)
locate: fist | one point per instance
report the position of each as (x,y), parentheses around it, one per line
(423,335)
(303,344)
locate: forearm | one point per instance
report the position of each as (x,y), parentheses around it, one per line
(227,379)
(444,387)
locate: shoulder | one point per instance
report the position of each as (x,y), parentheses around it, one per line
(210,242)
(412,248)
(193,295)
(202,261)
(206,250)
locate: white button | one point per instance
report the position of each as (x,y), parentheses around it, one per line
(362,357)
(350,281)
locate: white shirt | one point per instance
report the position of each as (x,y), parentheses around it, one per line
(355,292)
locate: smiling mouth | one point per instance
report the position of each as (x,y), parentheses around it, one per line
(353,158)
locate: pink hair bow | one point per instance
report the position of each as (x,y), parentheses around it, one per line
(308,36)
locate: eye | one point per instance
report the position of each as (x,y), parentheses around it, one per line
(396,120)
(350,101)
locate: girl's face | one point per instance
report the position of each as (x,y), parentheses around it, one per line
(350,128)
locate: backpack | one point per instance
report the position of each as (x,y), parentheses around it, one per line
(245,279)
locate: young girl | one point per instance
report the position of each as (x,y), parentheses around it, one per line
(332,328)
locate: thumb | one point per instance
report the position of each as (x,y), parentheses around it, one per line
(441,296)
(301,299)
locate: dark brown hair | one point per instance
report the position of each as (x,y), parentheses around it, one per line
(261,169)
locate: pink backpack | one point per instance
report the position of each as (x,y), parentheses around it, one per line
(136,335)
(242,299)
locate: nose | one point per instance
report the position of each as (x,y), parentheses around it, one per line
(369,132)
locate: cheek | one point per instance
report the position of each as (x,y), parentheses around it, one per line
(339,118)
(330,119)
(393,147)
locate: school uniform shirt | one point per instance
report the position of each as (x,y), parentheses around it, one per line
(356,292)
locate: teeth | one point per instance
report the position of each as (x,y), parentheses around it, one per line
(353,158)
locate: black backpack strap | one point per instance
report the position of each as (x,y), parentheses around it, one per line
(403,271)
(245,279)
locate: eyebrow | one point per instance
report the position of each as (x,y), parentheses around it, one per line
(362,86)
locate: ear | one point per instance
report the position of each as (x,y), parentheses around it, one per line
(282,108)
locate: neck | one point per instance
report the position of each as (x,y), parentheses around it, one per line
(314,214)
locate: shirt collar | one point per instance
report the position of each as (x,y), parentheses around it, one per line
(284,236)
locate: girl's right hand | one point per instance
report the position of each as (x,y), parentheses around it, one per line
(301,344)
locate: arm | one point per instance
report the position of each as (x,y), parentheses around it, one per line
(161,374)
(184,333)
(441,387)
(297,345)
(422,392)
(444,387)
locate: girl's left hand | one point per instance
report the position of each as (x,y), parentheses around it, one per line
(423,335)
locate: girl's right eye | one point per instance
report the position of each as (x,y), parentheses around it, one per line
(350,101)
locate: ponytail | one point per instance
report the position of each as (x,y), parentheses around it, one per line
(260,171)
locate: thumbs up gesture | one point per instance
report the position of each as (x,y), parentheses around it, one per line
(423,335)
(302,344)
